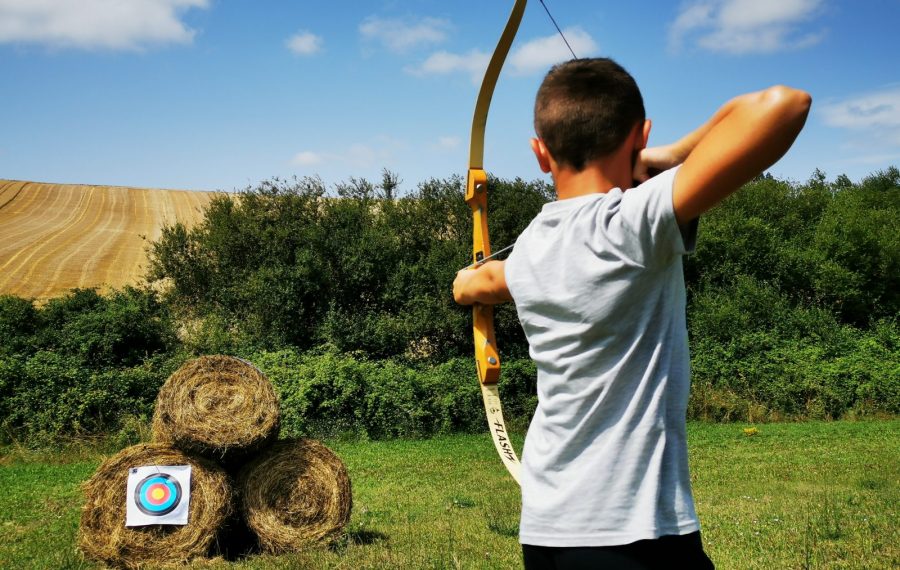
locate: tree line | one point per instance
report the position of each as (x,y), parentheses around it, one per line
(793,304)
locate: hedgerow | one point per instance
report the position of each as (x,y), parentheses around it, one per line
(343,298)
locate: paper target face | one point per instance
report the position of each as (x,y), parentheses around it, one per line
(158,494)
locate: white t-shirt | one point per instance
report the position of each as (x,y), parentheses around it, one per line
(599,288)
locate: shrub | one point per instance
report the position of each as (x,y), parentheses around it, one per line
(363,270)
(329,394)
(19,321)
(757,356)
(81,363)
(793,306)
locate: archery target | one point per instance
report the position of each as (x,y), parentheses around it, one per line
(158,494)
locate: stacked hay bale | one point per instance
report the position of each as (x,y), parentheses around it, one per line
(219,407)
(295,493)
(103,535)
(219,415)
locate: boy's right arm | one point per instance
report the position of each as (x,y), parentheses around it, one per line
(746,136)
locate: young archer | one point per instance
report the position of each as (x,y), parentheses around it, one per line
(598,285)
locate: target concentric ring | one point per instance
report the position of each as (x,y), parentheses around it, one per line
(157,494)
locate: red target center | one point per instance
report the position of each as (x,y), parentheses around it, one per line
(157,494)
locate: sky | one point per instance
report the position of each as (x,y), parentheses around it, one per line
(223,94)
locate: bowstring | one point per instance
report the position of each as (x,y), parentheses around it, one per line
(561,34)
(491,256)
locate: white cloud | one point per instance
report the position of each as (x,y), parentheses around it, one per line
(374,152)
(443,62)
(304,43)
(448,143)
(402,35)
(875,114)
(97,24)
(533,56)
(746,26)
(542,53)
(308,158)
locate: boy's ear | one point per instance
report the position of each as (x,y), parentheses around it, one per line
(644,136)
(541,153)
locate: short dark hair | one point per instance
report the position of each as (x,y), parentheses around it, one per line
(585,109)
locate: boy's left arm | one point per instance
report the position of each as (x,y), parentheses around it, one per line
(485,284)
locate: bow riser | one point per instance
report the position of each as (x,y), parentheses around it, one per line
(487,359)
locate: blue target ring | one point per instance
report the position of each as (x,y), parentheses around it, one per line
(158,494)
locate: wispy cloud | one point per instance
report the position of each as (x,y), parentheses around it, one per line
(448,143)
(472,64)
(541,53)
(746,26)
(308,158)
(876,115)
(304,43)
(531,57)
(400,36)
(97,24)
(367,154)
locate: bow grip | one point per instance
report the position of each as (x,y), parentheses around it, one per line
(476,198)
(487,360)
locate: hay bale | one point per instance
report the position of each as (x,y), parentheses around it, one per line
(296,493)
(103,536)
(218,407)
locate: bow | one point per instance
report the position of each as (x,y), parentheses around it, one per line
(487,359)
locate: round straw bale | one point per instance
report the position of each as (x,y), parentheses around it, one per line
(295,493)
(103,536)
(218,407)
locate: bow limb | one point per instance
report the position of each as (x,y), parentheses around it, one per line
(483,103)
(487,359)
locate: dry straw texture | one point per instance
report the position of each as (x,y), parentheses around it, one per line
(218,407)
(296,493)
(103,536)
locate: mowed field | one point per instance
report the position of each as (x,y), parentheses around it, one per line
(55,237)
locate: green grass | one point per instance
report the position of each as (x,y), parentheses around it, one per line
(805,495)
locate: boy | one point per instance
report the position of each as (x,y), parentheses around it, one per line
(598,285)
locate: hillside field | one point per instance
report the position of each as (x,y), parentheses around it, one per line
(55,237)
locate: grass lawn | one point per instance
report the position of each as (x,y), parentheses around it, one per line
(804,495)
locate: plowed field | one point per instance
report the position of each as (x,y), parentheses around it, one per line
(55,237)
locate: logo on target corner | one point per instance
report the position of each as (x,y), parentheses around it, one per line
(157,494)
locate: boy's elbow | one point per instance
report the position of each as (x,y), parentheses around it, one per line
(794,102)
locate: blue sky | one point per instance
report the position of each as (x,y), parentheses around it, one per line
(216,94)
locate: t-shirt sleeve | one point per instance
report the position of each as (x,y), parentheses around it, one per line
(644,221)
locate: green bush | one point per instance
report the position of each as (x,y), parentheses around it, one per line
(81,363)
(19,321)
(287,263)
(52,396)
(757,356)
(836,246)
(793,310)
(330,394)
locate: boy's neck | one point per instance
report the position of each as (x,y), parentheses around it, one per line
(599,177)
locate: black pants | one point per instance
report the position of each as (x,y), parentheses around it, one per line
(683,552)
